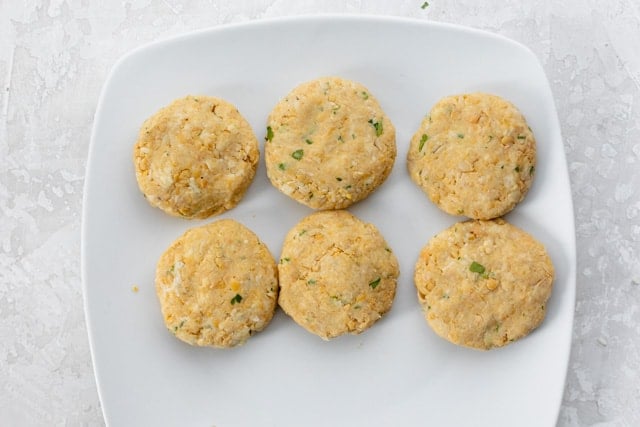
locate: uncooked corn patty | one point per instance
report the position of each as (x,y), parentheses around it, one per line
(195,157)
(337,274)
(483,284)
(474,155)
(217,285)
(329,144)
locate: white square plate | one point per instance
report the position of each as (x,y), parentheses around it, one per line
(396,373)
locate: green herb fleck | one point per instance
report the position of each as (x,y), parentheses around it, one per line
(445,296)
(338,178)
(377,126)
(532,169)
(297,154)
(175,328)
(460,211)
(521,137)
(365,95)
(236,299)
(387,249)
(517,169)
(460,135)
(311,282)
(374,284)
(285,259)
(424,5)
(497,327)
(302,232)
(347,187)
(476,268)
(308,141)
(269,136)
(423,139)
(282,166)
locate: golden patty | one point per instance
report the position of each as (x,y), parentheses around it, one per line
(483,284)
(337,274)
(217,285)
(329,144)
(473,155)
(196,157)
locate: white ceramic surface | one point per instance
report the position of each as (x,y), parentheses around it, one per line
(398,372)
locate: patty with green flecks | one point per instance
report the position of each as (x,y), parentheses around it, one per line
(195,157)
(217,285)
(337,274)
(483,284)
(474,155)
(329,143)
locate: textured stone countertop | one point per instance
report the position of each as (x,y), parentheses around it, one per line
(56,55)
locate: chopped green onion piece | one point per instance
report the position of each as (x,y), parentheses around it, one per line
(338,178)
(282,166)
(311,282)
(375,283)
(236,299)
(269,136)
(476,268)
(521,137)
(532,169)
(423,139)
(424,5)
(297,154)
(308,141)
(517,169)
(460,135)
(377,126)
(365,95)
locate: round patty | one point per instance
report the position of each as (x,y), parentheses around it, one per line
(483,284)
(473,155)
(337,274)
(217,285)
(195,157)
(329,144)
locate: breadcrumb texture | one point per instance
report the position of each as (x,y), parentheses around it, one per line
(473,155)
(196,157)
(337,274)
(329,144)
(217,285)
(483,284)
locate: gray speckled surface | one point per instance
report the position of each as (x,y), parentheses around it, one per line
(55,56)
